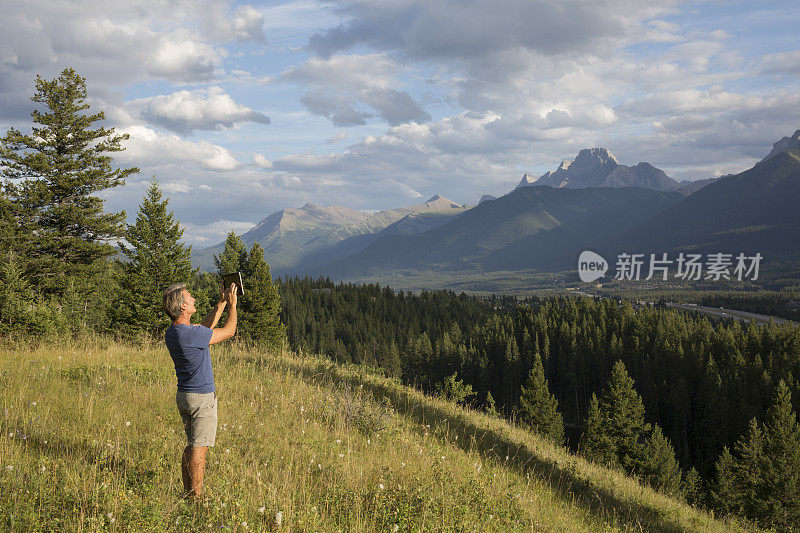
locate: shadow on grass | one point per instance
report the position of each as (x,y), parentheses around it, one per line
(104,459)
(564,478)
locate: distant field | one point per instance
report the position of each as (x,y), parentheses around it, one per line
(90,439)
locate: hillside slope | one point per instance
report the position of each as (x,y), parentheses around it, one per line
(91,439)
(754,211)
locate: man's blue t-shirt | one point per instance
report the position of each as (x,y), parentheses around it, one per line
(188,346)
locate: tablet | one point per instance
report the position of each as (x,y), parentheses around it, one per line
(235,277)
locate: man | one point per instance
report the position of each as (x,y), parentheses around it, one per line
(196,397)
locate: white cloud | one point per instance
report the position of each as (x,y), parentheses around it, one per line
(246,23)
(787,63)
(179,59)
(148,147)
(204,235)
(262,161)
(202,109)
(352,72)
(172,187)
(341,82)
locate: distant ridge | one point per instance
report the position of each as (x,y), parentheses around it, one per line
(295,239)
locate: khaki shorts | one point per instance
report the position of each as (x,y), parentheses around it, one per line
(199,414)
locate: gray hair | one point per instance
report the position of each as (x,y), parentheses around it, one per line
(173,300)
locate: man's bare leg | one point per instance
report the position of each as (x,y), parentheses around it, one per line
(193,468)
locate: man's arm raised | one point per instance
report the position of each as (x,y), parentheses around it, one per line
(211,319)
(229,329)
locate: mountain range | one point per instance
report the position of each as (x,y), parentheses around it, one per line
(543,224)
(297,239)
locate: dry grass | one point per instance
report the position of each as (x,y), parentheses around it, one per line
(90,439)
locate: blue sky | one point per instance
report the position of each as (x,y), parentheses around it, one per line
(242,109)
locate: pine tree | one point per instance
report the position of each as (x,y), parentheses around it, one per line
(725,494)
(660,468)
(234,257)
(539,408)
(261,303)
(58,169)
(780,471)
(489,406)
(747,471)
(15,298)
(615,429)
(692,487)
(156,259)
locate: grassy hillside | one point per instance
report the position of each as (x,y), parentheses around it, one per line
(90,439)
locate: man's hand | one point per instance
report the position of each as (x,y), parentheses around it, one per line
(231,295)
(220,334)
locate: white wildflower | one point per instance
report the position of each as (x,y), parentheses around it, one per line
(10,468)
(380,486)
(244,525)
(395,528)
(127,424)
(227,450)
(262,509)
(278,518)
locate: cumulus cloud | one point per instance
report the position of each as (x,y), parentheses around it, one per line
(183,60)
(337,107)
(202,109)
(395,107)
(343,83)
(246,23)
(450,29)
(262,161)
(148,147)
(787,63)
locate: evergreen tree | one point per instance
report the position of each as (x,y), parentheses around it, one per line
(747,471)
(539,408)
(261,303)
(156,259)
(234,257)
(725,494)
(660,468)
(57,170)
(780,471)
(15,298)
(692,487)
(453,389)
(489,406)
(615,429)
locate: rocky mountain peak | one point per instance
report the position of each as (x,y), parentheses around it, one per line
(787,143)
(528,179)
(592,161)
(438,201)
(597,167)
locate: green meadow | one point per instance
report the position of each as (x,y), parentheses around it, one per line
(90,440)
